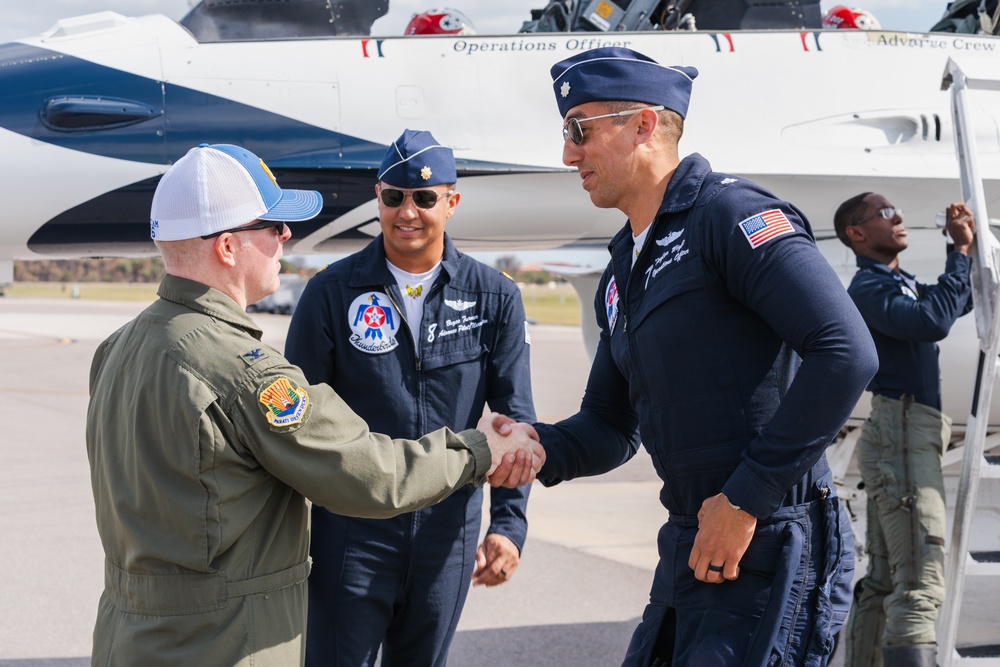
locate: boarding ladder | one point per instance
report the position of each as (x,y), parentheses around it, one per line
(962,563)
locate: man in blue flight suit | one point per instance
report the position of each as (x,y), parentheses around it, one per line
(730,342)
(412,333)
(899,454)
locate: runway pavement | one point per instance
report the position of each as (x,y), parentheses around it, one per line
(574,600)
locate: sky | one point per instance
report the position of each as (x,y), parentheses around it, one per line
(21,18)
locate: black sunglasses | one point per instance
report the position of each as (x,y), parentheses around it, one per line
(421,198)
(279,228)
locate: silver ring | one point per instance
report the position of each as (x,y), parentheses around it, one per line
(715,568)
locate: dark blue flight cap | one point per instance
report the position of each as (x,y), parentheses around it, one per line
(417,160)
(615,73)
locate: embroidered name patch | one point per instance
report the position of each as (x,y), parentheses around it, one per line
(284,405)
(374,323)
(763,227)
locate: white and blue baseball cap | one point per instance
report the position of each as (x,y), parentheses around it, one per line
(218,187)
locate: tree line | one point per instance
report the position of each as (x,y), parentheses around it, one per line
(150,270)
(102,270)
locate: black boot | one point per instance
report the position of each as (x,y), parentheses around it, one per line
(920,655)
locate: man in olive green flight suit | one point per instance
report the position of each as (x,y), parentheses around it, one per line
(204,443)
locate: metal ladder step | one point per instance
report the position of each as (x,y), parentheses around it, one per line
(980,656)
(983,563)
(991,467)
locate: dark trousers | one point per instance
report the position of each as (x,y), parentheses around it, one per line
(398,583)
(786,607)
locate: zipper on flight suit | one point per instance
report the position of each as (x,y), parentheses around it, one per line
(402,316)
(632,265)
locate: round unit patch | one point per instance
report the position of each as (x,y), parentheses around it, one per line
(374,323)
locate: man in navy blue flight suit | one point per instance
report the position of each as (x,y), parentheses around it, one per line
(732,345)
(413,335)
(896,605)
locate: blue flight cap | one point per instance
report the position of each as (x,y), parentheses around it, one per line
(615,73)
(417,160)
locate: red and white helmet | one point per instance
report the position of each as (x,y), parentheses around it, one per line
(444,21)
(851,19)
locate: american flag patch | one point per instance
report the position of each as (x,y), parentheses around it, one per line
(765,226)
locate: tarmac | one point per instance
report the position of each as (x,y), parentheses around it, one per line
(574,600)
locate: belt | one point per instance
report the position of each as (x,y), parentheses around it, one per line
(194,593)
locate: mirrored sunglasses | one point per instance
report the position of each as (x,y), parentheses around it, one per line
(887,213)
(421,198)
(278,225)
(573,131)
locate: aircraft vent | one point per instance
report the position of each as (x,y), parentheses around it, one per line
(893,129)
(89,112)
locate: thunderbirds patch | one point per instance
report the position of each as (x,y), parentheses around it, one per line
(285,406)
(611,304)
(374,323)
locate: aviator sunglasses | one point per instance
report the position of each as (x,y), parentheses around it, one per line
(887,213)
(573,131)
(279,228)
(421,198)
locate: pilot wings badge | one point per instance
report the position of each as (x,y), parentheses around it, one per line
(458,304)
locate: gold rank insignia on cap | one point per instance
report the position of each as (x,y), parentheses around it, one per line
(285,406)
(425,173)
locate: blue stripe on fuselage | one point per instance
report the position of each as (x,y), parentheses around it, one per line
(30,75)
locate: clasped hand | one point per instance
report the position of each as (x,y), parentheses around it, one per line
(517,454)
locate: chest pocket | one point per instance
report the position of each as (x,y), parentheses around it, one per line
(456,338)
(670,285)
(450,357)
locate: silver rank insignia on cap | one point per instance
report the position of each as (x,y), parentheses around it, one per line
(425,173)
(564,90)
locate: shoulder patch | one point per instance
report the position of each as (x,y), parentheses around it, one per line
(761,228)
(253,356)
(285,406)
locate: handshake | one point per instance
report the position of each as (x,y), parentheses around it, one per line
(517,453)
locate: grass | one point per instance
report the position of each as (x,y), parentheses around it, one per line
(105,291)
(543,304)
(551,305)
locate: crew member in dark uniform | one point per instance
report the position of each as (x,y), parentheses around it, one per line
(729,341)
(899,453)
(411,332)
